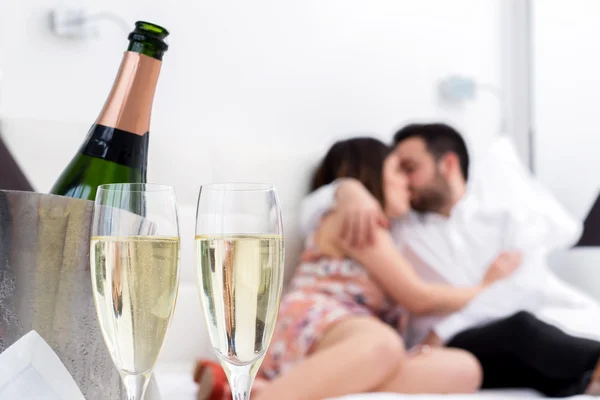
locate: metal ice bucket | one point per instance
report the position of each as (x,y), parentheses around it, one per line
(45,285)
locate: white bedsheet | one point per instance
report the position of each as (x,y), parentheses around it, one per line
(175,383)
(479,396)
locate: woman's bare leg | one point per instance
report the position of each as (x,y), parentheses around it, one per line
(363,354)
(356,355)
(441,370)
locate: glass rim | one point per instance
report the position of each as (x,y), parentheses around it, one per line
(238,187)
(135,187)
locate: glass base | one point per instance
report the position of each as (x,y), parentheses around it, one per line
(135,385)
(241,378)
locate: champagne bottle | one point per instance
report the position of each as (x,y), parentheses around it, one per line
(116,147)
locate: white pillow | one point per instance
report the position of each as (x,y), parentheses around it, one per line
(500,181)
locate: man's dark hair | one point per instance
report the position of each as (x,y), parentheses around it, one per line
(440,139)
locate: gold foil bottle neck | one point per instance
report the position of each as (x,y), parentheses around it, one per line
(129,104)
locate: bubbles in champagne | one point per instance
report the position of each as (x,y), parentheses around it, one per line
(240,280)
(135,286)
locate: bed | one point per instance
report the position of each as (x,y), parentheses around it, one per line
(175,383)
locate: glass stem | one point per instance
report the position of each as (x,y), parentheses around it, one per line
(240,380)
(135,385)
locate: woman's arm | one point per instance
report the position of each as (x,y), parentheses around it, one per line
(397,277)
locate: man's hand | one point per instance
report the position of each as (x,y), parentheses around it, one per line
(361,214)
(433,340)
(502,267)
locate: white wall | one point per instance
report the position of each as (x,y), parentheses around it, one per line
(566,58)
(285,73)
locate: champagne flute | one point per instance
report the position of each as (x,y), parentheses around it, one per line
(134,256)
(239,262)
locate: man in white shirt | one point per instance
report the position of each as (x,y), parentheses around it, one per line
(447,242)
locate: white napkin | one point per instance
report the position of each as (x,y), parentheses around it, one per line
(29,369)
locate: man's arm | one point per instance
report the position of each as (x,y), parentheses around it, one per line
(495,303)
(315,206)
(500,300)
(361,212)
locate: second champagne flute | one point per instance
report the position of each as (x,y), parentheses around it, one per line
(240,258)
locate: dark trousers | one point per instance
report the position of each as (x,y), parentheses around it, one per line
(523,352)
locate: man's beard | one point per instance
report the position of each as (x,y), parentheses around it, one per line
(434,198)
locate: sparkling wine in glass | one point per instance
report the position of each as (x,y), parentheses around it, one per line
(134,258)
(239,262)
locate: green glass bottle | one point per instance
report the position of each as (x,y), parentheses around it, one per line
(116,147)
